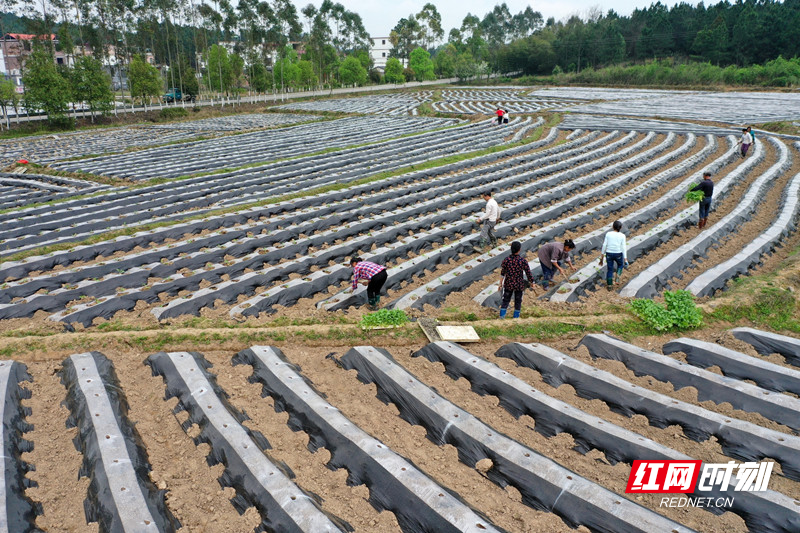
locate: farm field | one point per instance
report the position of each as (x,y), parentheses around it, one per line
(178,307)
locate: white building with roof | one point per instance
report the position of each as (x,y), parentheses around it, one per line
(379,52)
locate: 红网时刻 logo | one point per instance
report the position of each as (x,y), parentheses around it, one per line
(691,476)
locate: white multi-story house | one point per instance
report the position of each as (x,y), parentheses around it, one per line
(379,52)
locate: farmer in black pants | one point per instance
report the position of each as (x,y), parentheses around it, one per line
(370,274)
(707,186)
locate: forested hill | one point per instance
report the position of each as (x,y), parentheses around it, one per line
(744,33)
(14,24)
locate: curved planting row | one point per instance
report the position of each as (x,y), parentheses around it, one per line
(49,148)
(293,250)
(308,286)
(384,104)
(649,282)
(593,239)
(259,482)
(586,277)
(236,123)
(121,496)
(238,150)
(512,187)
(713,279)
(360,232)
(595,122)
(589,432)
(173,201)
(19,190)
(234,243)
(543,483)
(117,287)
(435,291)
(730,107)
(237,225)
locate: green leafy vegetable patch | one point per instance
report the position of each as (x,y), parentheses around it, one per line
(680,312)
(384,318)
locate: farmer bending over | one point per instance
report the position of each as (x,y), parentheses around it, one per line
(370,274)
(551,255)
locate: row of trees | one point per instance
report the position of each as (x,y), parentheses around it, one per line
(53,89)
(214,45)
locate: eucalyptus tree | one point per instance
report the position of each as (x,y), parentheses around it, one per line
(248,24)
(525,23)
(212,21)
(431,22)
(405,36)
(288,29)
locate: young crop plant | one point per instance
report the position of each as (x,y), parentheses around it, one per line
(384,318)
(686,315)
(680,312)
(694,197)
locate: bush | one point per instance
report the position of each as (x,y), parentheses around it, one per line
(169,113)
(679,313)
(62,123)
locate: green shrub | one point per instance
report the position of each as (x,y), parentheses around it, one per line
(173,112)
(679,313)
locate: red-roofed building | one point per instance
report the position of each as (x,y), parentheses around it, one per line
(14,47)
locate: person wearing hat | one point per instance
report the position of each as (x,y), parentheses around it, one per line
(370,274)
(512,282)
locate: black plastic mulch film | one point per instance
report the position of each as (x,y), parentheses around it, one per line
(570,497)
(21,512)
(249,491)
(385,491)
(100,505)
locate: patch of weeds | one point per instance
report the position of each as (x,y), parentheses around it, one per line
(771,307)
(538,330)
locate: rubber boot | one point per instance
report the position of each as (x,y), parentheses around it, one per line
(516,313)
(503,312)
(609,284)
(619,275)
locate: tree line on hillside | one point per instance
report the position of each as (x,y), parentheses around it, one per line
(268,45)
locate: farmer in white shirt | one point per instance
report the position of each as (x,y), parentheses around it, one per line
(489,218)
(615,250)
